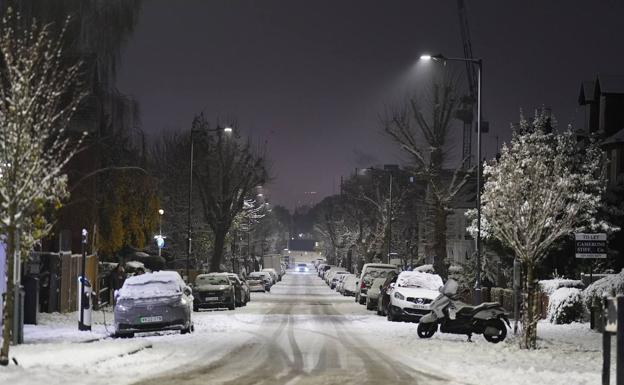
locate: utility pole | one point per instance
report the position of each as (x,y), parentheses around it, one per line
(390,220)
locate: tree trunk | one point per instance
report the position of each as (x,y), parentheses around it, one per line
(530,316)
(217,257)
(440,264)
(8,298)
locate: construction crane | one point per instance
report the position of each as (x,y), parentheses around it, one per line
(465,112)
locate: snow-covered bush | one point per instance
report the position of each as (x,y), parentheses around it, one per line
(565,305)
(549,286)
(607,286)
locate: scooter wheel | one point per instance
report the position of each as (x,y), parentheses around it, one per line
(426,330)
(491,335)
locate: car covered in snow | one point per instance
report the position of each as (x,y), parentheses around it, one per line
(214,290)
(341,281)
(349,285)
(412,294)
(241,289)
(373,293)
(336,278)
(256,284)
(370,271)
(264,276)
(274,275)
(153,302)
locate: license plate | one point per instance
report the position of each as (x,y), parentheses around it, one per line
(211,299)
(145,320)
(421,306)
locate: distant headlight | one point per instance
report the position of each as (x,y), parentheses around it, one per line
(399,296)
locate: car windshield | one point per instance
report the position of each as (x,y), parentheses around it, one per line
(211,280)
(302,265)
(257,275)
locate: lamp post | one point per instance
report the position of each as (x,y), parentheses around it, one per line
(160,214)
(198,126)
(479,63)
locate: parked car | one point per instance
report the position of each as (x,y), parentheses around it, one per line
(412,294)
(335,278)
(329,275)
(370,271)
(322,269)
(384,294)
(274,275)
(214,290)
(256,284)
(153,302)
(302,268)
(241,290)
(264,276)
(341,281)
(349,285)
(372,296)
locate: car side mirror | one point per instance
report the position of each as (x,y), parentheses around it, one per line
(392,285)
(188,291)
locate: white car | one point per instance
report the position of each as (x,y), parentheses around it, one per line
(412,294)
(273,273)
(370,271)
(349,285)
(336,278)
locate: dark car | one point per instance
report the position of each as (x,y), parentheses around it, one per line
(264,276)
(214,290)
(153,302)
(383,300)
(241,289)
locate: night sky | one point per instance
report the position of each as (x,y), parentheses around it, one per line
(311,77)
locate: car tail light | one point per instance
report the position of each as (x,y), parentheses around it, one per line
(362,285)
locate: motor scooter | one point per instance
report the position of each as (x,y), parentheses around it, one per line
(456,317)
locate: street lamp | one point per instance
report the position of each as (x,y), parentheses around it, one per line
(198,126)
(479,63)
(160,214)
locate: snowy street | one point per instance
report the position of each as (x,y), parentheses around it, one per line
(300,333)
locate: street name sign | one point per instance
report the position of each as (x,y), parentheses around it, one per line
(591,245)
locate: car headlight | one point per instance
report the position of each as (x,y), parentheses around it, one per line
(183,301)
(399,296)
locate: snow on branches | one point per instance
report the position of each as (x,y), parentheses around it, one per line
(39,94)
(546,185)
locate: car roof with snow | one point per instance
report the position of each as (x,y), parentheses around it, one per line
(419,279)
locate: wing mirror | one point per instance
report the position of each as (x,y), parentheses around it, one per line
(188,291)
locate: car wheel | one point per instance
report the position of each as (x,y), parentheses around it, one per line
(187,330)
(369,305)
(356,298)
(391,316)
(195,308)
(232,305)
(123,335)
(362,301)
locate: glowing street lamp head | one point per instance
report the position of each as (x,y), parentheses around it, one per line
(161,211)
(227,130)
(425,57)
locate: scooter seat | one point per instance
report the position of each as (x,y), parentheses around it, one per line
(474,309)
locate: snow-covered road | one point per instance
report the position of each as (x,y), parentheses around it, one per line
(300,333)
(304,336)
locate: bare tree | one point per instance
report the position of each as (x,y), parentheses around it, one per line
(425,140)
(38,97)
(227,170)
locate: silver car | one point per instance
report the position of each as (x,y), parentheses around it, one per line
(153,302)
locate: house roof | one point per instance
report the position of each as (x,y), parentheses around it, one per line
(603,84)
(615,139)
